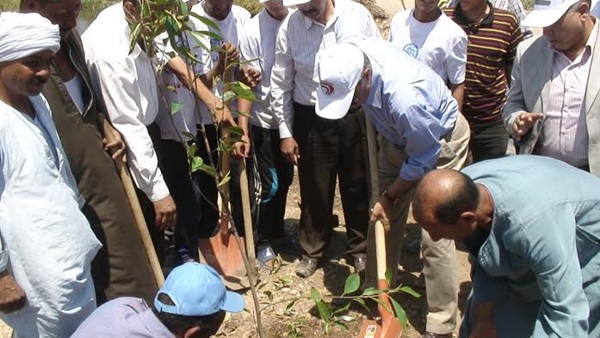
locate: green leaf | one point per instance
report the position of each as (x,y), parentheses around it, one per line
(210,34)
(410,291)
(385,305)
(399,310)
(135,36)
(176,107)
(209,170)
(206,21)
(198,164)
(183,7)
(352,284)
(341,325)
(228,96)
(342,309)
(388,276)
(362,303)
(315,294)
(200,40)
(290,306)
(191,136)
(324,311)
(242,91)
(225,180)
(371,292)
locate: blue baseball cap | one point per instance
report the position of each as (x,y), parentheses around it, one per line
(197,290)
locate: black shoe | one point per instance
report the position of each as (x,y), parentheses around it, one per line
(307,267)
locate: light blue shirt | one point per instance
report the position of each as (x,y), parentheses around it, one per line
(544,244)
(409,104)
(123,317)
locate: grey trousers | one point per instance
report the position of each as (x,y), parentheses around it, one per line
(439,258)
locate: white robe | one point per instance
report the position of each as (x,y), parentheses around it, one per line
(49,240)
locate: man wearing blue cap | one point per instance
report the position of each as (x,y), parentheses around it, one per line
(191,303)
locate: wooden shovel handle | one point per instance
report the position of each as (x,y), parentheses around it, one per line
(249,233)
(140,221)
(380,250)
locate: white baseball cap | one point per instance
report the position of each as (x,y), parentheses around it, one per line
(547,12)
(339,68)
(294,2)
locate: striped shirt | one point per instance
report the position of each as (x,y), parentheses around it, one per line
(294,75)
(490,54)
(564,132)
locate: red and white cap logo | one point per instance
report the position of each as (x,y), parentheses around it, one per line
(328,88)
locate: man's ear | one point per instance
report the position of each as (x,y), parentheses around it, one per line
(367,73)
(468,217)
(192,332)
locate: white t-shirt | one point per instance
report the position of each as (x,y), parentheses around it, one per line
(440,44)
(230,31)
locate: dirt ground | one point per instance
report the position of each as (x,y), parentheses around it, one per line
(303,320)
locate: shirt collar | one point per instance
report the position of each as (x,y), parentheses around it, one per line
(591,41)
(486,22)
(154,325)
(375,95)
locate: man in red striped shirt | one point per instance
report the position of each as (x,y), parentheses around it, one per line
(493,38)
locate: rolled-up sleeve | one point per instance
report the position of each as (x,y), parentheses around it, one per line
(118,86)
(420,131)
(282,83)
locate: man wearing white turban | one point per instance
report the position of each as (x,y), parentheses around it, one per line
(46,244)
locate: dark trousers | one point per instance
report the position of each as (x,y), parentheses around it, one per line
(276,175)
(488,142)
(208,188)
(330,149)
(175,169)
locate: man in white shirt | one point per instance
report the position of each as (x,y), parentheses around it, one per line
(323,150)
(230,19)
(127,84)
(46,244)
(552,107)
(428,35)
(257,47)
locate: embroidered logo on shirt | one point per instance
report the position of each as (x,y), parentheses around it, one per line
(412,50)
(327,88)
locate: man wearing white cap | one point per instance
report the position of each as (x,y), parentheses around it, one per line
(191,303)
(323,150)
(46,244)
(553,108)
(420,128)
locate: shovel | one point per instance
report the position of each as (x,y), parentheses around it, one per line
(140,221)
(388,326)
(223,251)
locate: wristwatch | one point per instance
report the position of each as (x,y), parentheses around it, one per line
(3,260)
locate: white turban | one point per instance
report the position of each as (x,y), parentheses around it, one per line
(22,35)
